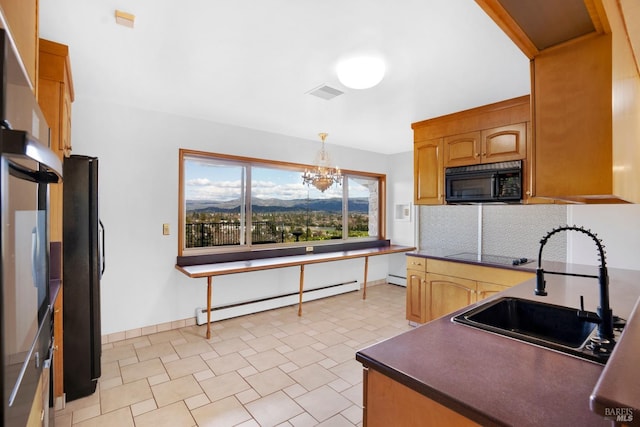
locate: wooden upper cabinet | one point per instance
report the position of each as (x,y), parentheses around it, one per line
(499,144)
(504,143)
(573,122)
(22,19)
(585,95)
(428,172)
(56,94)
(487,134)
(626,86)
(462,150)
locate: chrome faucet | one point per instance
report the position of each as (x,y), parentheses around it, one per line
(605,315)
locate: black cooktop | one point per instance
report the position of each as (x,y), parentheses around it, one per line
(489,259)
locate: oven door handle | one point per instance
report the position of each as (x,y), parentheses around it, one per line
(34,256)
(40,177)
(494,185)
(102,252)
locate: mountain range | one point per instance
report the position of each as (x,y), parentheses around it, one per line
(357,204)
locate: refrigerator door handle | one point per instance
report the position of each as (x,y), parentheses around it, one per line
(102,253)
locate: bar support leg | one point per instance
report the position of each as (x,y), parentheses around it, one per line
(366,269)
(209,280)
(301,289)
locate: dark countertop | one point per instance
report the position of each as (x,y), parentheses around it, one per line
(469,370)
(476,259)
(619,384)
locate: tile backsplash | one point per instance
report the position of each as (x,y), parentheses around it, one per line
(449,228)
(509,230)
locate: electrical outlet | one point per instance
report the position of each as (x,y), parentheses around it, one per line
(165,229)
(309,248)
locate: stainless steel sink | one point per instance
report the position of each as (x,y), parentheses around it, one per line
(551,326)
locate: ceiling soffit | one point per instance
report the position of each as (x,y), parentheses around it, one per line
(536,25)
(550,22)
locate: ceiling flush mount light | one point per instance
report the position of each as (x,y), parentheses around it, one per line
(324,176)
(361,72)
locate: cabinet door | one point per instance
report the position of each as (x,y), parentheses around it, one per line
(49,99)
(486,290)
(448,294)
(504,143)
(461,150)
(389,403)
(65,121)
(58,362)
(573,120)
(22,18)
(428,172)
(416,296)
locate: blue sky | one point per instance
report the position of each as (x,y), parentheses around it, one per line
(208,181)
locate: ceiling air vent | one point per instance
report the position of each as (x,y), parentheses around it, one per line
(325,92)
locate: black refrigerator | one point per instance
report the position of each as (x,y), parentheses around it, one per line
(83,265)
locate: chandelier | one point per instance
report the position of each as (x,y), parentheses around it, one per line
(324,176)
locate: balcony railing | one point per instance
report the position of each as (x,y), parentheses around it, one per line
(207,234)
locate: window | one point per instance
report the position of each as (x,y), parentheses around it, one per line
(236,203)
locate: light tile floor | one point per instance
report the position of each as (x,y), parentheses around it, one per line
(267,369)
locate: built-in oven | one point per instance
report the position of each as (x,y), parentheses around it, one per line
(27,168)
(484,183)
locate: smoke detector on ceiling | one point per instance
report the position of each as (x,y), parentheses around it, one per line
(124,18)
(325,92)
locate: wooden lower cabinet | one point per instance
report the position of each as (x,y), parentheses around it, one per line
(416,296)
(448,293)
(436,288)
(389,403)
(485,290)
(417,292)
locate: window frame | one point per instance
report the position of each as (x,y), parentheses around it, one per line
(250,162)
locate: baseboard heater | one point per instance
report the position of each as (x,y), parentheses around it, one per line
(395,279)
(256,306)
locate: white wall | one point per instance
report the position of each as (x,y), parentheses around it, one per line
(400,192)
(618,226)
(400,187)
(138,185)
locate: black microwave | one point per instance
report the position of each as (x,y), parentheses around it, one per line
(484,183)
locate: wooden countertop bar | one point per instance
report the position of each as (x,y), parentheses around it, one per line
(234,267)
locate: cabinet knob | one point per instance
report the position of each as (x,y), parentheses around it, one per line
(475,155)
